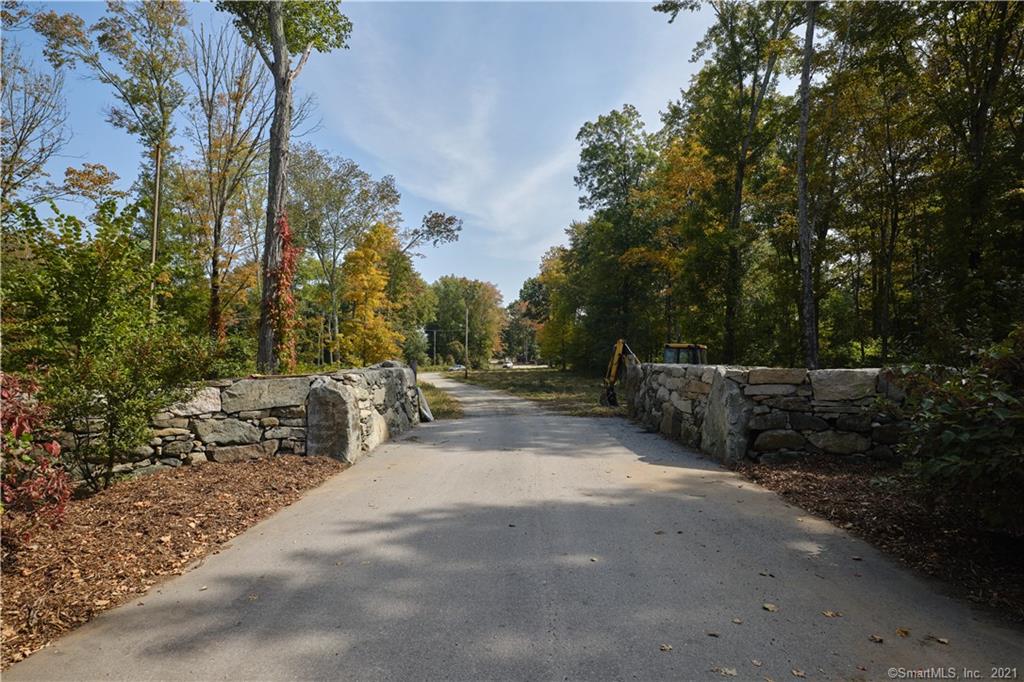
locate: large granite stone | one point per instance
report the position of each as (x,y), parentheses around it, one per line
(772,420)
(860,423)
(262,394)
(782,439)
(226,431)
(377,431)
(770,389)
(177,447)
(332,421)
(840,442)
(238,453)
(204,401)
(776,375)
(806,422)
(724,430)
(843,384)
(285,432)
(888,433)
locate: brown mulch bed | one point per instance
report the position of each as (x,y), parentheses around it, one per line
(881,504)
(117,544)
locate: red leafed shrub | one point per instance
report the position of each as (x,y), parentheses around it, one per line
(35,488)
(282,307)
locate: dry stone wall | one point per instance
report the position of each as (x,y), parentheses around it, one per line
(767,414)
(342,415)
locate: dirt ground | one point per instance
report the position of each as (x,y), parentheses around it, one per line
(881,504)
(114,546)
(559,391)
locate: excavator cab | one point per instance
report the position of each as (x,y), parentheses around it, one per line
(685,354)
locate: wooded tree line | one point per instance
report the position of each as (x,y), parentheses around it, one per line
(902,169)
(281,255)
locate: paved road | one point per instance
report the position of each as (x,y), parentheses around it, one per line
(517,544)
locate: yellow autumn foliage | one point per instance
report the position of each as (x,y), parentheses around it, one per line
(364,335)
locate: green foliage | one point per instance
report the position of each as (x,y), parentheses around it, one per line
(454,295)
(616,155)
(135,48)
(563,392)
(315,25)
(233,357)
(914,173)
(966,440)
(519,335)
(443,405)
(79,311)
(128,370)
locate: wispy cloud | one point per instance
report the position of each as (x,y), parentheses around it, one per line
(473,123)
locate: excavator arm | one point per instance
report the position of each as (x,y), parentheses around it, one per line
(611,375)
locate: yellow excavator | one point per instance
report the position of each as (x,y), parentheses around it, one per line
(673,354)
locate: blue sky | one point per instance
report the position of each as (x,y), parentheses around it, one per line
(472,106)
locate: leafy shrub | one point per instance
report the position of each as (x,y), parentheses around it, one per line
(966,440)
(232,358)
(35,488)
(81,310)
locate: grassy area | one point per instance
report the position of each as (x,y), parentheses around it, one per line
(443,405)
(563,392)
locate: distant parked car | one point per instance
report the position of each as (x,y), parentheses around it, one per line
(508,364)
(456,368)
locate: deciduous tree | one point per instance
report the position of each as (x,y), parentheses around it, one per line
(139,51)
(279,30)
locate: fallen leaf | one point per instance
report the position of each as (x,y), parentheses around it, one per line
(165,539)
(593,558)
(666,647)
(724,672)
(101,602)
(738,621)
(876,639)
(940,640)
(659,532)
(768,606)
(857,558)
(203,588)
(756,663)
(832,614)
(712,634)
(902,632)
(798,673)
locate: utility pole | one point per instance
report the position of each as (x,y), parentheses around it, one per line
(466,348)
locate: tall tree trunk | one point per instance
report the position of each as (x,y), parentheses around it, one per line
(733,284)
(809,317)
(216,327)
(154,237)
(334,326)
(977,130)
(266,360)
